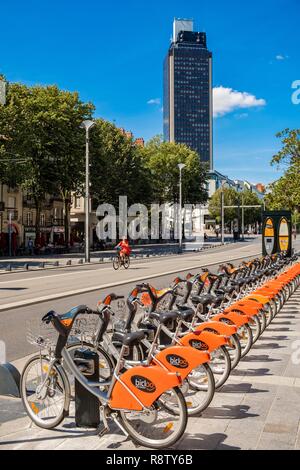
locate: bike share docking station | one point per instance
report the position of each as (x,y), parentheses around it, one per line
(87,407)
(277,232)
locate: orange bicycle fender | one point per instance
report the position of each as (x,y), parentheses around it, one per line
(203,341)
(235,318)
(145,383)
(181,359)
(260,298)
(220,328)
(247,310)
(251,303)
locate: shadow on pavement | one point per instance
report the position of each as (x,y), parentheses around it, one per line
(252,372)
(228,411)
(241,388)
(260,358)
(205,442)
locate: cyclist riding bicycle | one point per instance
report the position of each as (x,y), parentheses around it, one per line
(123,248)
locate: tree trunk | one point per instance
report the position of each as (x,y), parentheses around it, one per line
(67,203)
(37,218)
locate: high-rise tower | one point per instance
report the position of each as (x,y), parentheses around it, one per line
(188,91)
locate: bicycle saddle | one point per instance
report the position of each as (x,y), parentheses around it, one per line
(186,313)
(132,339)
(203,299)
(165,317)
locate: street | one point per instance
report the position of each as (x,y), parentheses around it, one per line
(258,407)
(25,296)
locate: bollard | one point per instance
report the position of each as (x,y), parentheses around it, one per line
(26,266)
(101,260)
(69,262)
(87,413)
(41,265)
(80,261)
(8,267)
(56,263)
(9,380)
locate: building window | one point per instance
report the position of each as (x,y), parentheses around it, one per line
(29,219)
(11,202)
(77,202)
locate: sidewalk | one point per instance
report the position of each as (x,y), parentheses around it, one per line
(258,407)
(150,249)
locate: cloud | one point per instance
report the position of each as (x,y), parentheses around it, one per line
(281,57)
(227,100)
(155,101)
(241,116)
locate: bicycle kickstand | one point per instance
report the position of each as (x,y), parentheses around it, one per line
(103,428)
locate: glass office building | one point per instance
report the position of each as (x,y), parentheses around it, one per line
(188,91)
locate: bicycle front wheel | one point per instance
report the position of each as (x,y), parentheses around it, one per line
(158,427)
(116,263)
(45,396)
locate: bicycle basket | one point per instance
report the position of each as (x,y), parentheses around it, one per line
(40,334)
(85,328)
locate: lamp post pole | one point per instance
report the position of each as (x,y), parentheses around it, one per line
(180,166)
(87,125)
(9,233)
(222,216)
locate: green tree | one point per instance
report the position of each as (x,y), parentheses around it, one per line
(230,199)
(117,167)
(44,146)
(290,152)
(235,198)
(285,192)
(161,159)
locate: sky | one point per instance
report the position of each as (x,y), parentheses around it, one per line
(112,54)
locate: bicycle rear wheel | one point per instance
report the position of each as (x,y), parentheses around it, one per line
(158,427)
(45,401)
(126,262)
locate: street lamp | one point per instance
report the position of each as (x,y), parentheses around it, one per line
(87,125)
(181,166)
(223,182)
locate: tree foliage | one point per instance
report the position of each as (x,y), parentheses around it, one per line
(44,147)
(235,198)
(162,159)
(116,167)
(285,192)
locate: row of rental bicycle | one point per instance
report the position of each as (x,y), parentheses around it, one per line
(163,357)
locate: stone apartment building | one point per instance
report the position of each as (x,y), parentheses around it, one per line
(18,216)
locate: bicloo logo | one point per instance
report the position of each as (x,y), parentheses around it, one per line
(196,344)
(143,384)
(177,361)
(2,352)
(296,353)
(296,93)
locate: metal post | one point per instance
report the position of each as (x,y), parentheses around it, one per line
(180,210)
(222,216)
(9,233)
(243,219)
(87,125)
(180,166)
(87,198)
